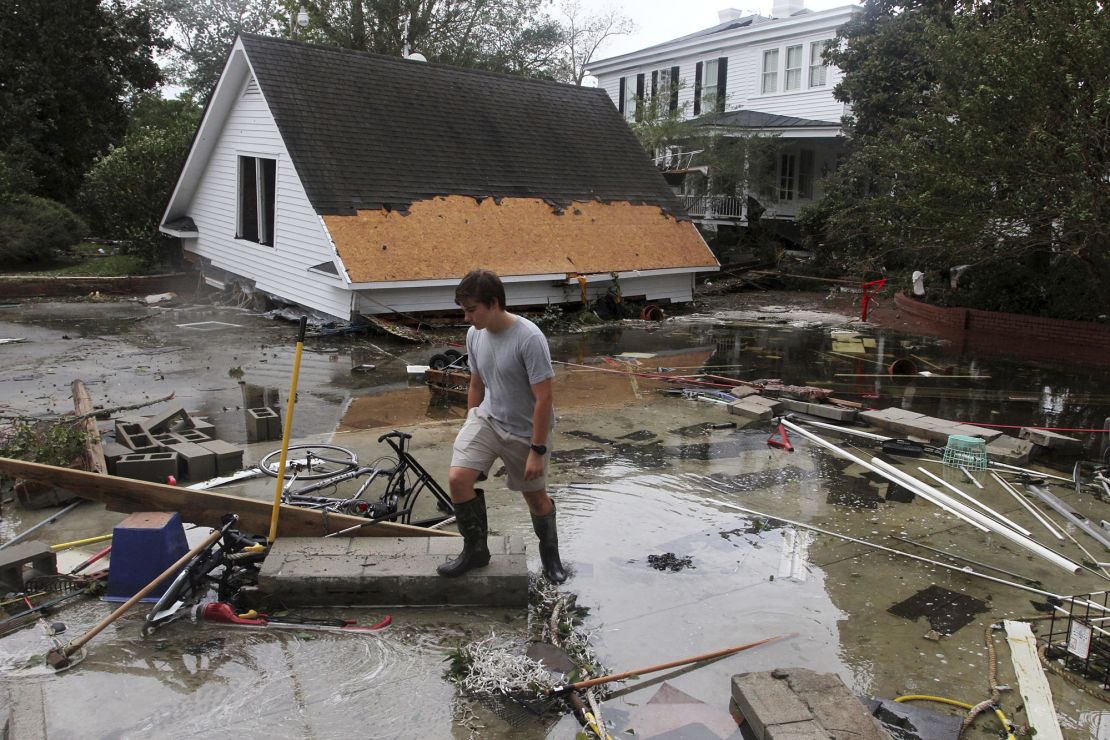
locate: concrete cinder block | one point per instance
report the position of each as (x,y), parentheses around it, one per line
(750,410)
(261,424)
(229,458)
(165,439)
(113,451)
(164,421)
(137,439)
(1051,440)
(25,560)
(194,463)
(765,701)
(391,571)
(824,411)
(151,466)
(835,708)
(193,435)
(808,730)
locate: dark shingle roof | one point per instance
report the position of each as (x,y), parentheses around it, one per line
(759,120)
(366,130)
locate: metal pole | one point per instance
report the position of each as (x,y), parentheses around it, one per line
(287,431)
(43,523)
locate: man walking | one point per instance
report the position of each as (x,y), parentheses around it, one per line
(509,415)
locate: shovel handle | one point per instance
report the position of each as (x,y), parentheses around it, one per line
(664,666)
(76,645)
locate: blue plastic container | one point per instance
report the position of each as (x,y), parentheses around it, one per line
(143,546)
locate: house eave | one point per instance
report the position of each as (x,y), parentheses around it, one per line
(757,32)
(556,277)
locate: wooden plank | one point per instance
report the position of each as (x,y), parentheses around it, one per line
(94,451)
(203,507)
(1031,681)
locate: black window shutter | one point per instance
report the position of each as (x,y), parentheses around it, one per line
(639,96)
(654,83)
(620,97)
(722,72)
(674,88)
(697,89)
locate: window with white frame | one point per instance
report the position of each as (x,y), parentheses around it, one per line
(709,85)
(770,71)
(787,182)
(629,104)
(817,68)
(661,84)
(792,77)
(255,222)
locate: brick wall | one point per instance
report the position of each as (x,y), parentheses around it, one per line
(1031,328)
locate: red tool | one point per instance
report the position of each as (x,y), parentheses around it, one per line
(780,440)
(868,295)
(220,612)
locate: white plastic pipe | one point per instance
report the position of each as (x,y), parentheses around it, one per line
(925,491)
(1029,507)
(919,486)
(1018,539)
(980,504)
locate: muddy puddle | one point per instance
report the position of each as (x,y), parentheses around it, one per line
(641,479)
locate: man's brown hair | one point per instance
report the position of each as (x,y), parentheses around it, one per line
(481,286)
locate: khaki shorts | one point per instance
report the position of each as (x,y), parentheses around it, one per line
(481,441)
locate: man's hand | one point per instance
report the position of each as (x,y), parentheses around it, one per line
(533,468)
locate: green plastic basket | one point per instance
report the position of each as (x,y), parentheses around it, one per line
(965,452)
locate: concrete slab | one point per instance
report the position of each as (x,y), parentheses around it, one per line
(824,411)
(797,703)
(333,571)
(1051,440)
(749,410)
(1010,450)
(765,702)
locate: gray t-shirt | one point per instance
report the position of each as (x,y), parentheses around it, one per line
(510,363)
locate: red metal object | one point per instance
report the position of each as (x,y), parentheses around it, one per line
(780,439)
(868,294)
(221,612)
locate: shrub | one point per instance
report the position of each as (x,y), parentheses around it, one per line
(34,229)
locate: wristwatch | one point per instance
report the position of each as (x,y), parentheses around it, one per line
(539,449)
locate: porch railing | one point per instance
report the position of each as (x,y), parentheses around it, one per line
(714,206)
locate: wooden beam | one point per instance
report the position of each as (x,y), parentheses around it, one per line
(94,451)
(203,507)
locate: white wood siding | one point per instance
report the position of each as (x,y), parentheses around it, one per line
(300,240)
(676,288)
(744,78)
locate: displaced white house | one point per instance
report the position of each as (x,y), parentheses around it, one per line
(354,184)
(748,75)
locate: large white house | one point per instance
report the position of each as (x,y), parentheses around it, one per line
(748,75)
(354,184)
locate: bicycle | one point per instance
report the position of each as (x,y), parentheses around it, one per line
(326,466)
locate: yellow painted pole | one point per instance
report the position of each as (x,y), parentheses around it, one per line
(287,430)
(78,543)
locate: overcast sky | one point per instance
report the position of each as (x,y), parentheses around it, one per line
(661,20)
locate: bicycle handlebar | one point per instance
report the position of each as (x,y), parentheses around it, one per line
(394,433)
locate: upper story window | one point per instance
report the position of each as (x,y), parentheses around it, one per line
(631,97)
(255,220)
(770,71)
(817,67)
(792,79)
(664,90)
(791,64)
(710,85)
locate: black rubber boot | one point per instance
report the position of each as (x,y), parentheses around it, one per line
(545,529)
(471,520)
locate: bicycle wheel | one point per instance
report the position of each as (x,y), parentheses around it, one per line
(310,462)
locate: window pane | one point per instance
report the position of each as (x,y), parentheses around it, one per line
(269,176)
(786,177)
(816,66)
(630,98)
(805,174)
(248,199)
(770,71)
(794,57)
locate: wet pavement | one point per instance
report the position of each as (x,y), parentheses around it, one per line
(640,479)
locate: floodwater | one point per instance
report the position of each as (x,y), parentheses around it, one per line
(635,474)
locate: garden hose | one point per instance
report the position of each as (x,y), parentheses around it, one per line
(963,705)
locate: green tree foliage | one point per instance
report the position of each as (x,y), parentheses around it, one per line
(34,230)
(126,191)
(513,36)
(67,70)
(979,136)
(202,31)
